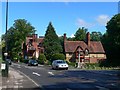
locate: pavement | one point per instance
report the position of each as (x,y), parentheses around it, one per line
(16,80)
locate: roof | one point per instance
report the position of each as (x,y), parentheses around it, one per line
(95,46)
(40,40)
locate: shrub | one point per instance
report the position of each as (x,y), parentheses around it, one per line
(48,62)
(25,61)
(58,56)
(41,59)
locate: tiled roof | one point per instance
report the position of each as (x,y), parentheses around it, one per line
(40,40)
(71,46)
(95,46)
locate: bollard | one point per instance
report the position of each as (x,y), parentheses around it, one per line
(5,69)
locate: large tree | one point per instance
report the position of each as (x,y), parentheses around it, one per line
(16,35)
(51,42)
(80,34)
(96,36)
(111,40)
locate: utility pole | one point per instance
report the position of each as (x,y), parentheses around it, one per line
(6,23)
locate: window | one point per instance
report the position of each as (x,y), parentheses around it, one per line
(86,52)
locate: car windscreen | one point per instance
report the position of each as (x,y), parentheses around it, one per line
(34,61)
(60,61)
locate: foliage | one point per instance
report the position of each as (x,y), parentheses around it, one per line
(80,35)
(41,59)
(61,39)
(51,42)
(57,56)
(71,63)
(16,35)
(26,61)
(96,36)
(111,40)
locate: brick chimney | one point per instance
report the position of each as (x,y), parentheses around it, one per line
(88,39)
(34,37)
(64,37)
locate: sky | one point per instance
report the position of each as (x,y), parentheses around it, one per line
(66,17)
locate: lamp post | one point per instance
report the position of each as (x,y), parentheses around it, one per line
(6,27)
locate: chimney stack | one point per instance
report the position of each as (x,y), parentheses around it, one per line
(34,37)
(88,39)
(65,37)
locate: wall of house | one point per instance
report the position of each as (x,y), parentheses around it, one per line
(94,58)
(70,57)
(91,58)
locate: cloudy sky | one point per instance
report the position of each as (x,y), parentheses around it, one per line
(66,17)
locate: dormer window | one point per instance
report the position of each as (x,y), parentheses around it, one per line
(30,42)
(40,45)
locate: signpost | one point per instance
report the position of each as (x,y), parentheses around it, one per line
(78,58)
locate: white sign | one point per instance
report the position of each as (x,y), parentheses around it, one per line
(5,54)
(3,66)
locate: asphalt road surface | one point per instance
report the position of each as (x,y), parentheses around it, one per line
(72,79)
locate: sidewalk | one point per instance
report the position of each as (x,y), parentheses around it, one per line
(17,81)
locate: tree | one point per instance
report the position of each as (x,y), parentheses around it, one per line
(96,36)
(112,40)
(51,42)
(16,35)
(80,35)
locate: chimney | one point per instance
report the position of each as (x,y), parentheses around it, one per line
(88,39)
(64,37)
(34,37)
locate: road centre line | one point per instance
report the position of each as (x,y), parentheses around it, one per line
(51,73)
(36,73)
(102,88)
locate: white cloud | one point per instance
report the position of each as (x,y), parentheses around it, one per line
(102,19)
(59,35)
(83,23)
(72,36)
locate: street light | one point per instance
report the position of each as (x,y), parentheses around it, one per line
(6,26)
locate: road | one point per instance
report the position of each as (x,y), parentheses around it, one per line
(72,79)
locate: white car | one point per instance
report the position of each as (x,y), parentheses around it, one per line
(59,64)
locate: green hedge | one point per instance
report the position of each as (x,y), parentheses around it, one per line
(42,59)
(58,56)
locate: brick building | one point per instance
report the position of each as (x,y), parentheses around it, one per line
(88,51)
(33,46)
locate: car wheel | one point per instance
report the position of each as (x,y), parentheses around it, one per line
(57,67)
(66,68)
(52,68)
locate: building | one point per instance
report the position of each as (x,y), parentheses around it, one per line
(33,46)
(85,51)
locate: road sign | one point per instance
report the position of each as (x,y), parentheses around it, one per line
(3,65)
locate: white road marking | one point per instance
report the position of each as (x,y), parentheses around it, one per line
(102,88)
(36,73)
(40,65)
(51,73)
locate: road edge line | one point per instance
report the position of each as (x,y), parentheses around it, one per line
(29,78)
